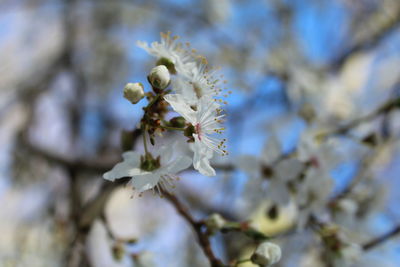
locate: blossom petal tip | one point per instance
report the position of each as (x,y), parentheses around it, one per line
(107,176)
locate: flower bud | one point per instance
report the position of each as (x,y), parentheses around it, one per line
(159,77)
(266,254)
(167,63)
(214,222)
(133,92)
(178,122)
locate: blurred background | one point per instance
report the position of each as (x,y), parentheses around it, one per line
(293,65)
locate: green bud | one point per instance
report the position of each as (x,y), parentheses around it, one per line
(178,122)
(189,131)
(167,63)
(214,223)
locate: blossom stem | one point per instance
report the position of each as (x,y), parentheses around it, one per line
(197,226)
(172,128)
(144,140)
(154,100)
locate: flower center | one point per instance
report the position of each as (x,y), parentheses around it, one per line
(148,163)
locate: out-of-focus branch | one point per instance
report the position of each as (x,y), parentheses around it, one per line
(94,208)
(368,43)
(379,240)
(383,109)
(95,166)
(197,226)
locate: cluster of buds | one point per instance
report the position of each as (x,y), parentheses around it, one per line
(181,83)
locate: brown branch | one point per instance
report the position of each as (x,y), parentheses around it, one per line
(379,240)
(94,166)
(372,41)
(383,109)
(202,237)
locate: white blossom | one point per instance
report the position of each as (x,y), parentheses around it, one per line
(169,49)
(260,170)
(322,155)
(313,194)
(266,254)
(205,121)
(198,80)
(143,180)
(272,219)
(253,166)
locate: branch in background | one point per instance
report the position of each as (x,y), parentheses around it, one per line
(202,237)
(75,164)
(383,109)
(379,240)
(369,43)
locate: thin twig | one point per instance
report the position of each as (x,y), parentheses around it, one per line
(381,239)
(383,109)
(202,237)
(372,41)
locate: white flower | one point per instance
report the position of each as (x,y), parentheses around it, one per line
(169,50)
(284,171)
(322,155)
(133,92)
(159,77)
(253,166)
(198,80)
(205,121)
(313,194)
(266,254)
(143,180)
(272,219)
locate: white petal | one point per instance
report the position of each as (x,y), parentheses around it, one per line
(278,192)
(179,164)
(127,168)
(249,164)
(179,105)
(165,152)
(145,182)
(201,158)
(184,88)
(143,45)
(288,169)
(122,169)
(206,109)
(131,157)
(272,150)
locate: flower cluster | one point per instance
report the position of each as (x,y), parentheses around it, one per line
(183,81)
